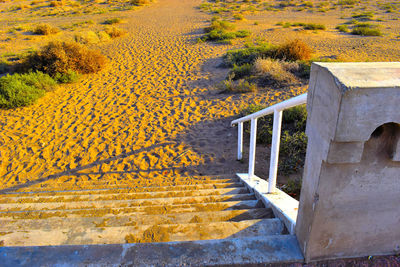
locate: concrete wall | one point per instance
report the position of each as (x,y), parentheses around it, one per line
(350,198)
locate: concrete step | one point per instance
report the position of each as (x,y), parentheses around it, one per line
(118,190)
(96,185)
(143,233)
(149,210)
(259,250)
(116,203)
(101,196)
(135,219)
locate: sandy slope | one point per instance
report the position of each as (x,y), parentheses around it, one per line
(152,117)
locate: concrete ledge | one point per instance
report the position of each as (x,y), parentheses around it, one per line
(229,252)
(284,206)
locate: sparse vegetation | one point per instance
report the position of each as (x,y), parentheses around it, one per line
(222,31)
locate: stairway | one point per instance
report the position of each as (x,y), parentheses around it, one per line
(209,221)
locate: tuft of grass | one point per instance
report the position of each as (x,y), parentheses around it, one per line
(114,32)
(45,29)
(20,90)
(276,71)
(239,72)
(240,86)
(62,57)
(366,29)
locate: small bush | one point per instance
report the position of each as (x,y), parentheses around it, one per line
(114,32)
(238,17)
(275,71)
(292,187)
(56,3)
(69,77)
(239,72)
(294,50)
(368,15)
(240,86)
(292,152)
(346,2)
(366,29)
(20,90)
(342,28)
(314,26)
(62,57)
(112,21)
(219,25)
(139,2)
(45,29)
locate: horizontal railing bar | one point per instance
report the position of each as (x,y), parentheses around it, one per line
(295,101)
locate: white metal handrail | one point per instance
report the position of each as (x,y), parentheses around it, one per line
(276,135)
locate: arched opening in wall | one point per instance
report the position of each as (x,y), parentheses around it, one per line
(383,143)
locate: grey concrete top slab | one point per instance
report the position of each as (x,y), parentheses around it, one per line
(364,74)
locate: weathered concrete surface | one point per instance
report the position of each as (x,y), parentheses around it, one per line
(254,250)
(350,197)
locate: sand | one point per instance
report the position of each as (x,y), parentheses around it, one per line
(153,117)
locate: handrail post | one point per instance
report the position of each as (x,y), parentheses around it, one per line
(276,138)
(252,152)
(240,141)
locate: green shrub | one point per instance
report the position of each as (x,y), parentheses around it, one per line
(240,86)
(366,29)
(292,152)
(342,28)
(238,17)
(69,77)
(45,29)
(220,25)
(20,90)
(292,187)
(112,21)
(239,72)
(63,57)
(139,2)
(314,26)
(346,2)
(368,15)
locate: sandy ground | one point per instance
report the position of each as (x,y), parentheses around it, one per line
(152,118)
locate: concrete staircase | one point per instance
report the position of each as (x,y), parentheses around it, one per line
(217,221)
